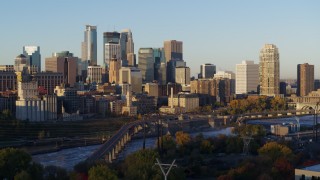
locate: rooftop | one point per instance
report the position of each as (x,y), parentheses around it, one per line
(313,168)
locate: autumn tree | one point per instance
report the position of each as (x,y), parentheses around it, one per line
(182,138)
(275,150)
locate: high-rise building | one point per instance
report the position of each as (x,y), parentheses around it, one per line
(111,50)
(33,56)
(63,62)
(110,38)
(89,45)
(305,79)
(159,65)
(171,69)
(182,75)
(207,70)
(114,70)
(269,70)
(146,64)
(94,74)
(127,47)
(20,63)
(133,76)
(229,75)
(173,50)
(247,77)
(7,68)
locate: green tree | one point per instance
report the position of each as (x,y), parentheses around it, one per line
(274,151)
(278,103)
(13,161)
(140,165)
(102,172)
(23,175)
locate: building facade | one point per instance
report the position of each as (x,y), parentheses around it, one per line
(146,64)
(133,76)
(269,70)
(33,56)
(89,45)
(305,79)
(8,80)
(182,75)
(173,50)
(49,80)
(247,77)
(94,74)
(63,62)
(207,70)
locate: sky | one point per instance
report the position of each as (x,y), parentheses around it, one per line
(223,33)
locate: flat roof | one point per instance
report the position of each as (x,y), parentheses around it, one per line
(313,168)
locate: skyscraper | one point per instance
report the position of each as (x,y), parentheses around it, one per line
(112,38)
(173,50)
(247,77)
(131,75)
(33,56)
(305,79)
(127,47)
(146,64)
(228,75)
(20,63)
(94,74)
(111,50)
(89,46)
(182,75)
(269,70)
(207,70)
(63,62)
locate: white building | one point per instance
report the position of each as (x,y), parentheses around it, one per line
(247,77)
(31,107)
(94,74)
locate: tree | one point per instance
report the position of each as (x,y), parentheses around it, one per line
(102,172)
(206,146)
(182,138)
(23,175)
(278,103)
(13,161)
(275,151)
(140,165)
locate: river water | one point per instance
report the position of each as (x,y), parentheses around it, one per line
(68,158)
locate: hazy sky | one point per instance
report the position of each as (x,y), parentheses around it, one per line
(221,32)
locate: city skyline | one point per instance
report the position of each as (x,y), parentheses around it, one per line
(221,33)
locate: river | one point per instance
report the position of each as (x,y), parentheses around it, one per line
(68,158)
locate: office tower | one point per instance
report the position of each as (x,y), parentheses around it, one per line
(146,64)
(182,75)
(49,80)
(110,38)
(207,70)
(63,62)
(127,47)
(247,77)
(269,71)
(94,74)
(33,56)
(114,70)
(171,69)
(152,89)
(20,63)
(173,50)
(305,79)
(159,65)
(229,75)
(89,45)
(133,76)
(111,50)
(8,80)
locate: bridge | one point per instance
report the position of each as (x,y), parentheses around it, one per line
(110,149)
(274,114)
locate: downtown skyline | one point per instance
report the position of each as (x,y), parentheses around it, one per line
(221,33)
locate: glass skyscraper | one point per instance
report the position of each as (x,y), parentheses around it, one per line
(89,46)
(33,56)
